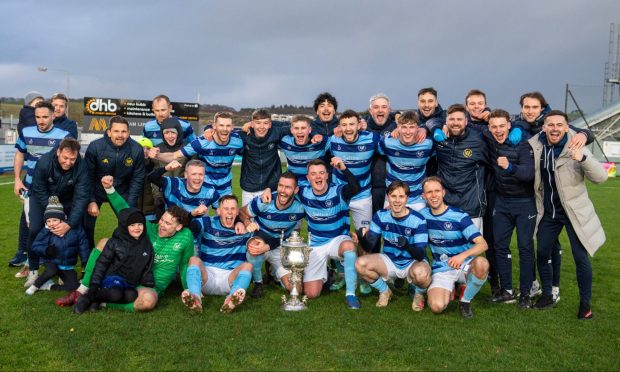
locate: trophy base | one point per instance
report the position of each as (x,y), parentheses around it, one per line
(299,306)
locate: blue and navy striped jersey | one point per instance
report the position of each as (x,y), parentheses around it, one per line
(272,220)
(412,227)
(449,234)
(298,156)
(34,144)
(218,160)
(152,131)
(220,246)
(327,214)
(358,157)
(176,193)
(407,164)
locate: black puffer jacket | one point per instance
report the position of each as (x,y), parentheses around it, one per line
(126,256)
(261,165)
(518,179)
(72,187)
(462,161)
(124,163)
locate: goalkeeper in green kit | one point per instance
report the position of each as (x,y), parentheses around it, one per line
(173,245)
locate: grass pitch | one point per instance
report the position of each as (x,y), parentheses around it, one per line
(35,334)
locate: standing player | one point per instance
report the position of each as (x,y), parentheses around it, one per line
(406,159)
(327,211)
(33,142)
(356,149)
(404,251)
(299,149)
(455,244)
(274,217)
(162,108)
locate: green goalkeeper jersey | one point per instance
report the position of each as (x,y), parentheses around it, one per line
(172,254)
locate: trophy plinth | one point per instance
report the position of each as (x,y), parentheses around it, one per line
(295,254)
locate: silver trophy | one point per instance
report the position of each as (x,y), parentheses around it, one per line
(295,254)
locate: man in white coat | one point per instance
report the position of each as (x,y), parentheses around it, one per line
(562,201)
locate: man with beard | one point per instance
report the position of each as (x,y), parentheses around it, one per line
(117,155)
(272,217)
(462,159)
(562,201)
(534,107)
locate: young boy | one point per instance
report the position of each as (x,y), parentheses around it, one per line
(58,252)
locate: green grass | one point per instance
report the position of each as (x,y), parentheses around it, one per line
(35,334)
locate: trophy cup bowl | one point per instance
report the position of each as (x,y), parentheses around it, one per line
(294,253)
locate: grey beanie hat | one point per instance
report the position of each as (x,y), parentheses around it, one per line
(31,96)
(54,209)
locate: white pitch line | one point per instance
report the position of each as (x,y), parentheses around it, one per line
(6,183)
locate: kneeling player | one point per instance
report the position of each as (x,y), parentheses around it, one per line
(275,215)
(221,268)
(405,238)
(455,243)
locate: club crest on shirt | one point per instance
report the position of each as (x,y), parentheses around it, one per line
(51,142)
(408,232)
(467,153)
(271,146)
(419,154)
(328,203)
(447,225)
(361,148)
(128,162)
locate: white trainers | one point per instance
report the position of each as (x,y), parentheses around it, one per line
(47,285)
(31,290)
(32,276)
(555,292)
(536,290)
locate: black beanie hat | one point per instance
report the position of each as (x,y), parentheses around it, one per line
(136,217)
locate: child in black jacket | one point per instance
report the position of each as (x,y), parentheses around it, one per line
(125,263)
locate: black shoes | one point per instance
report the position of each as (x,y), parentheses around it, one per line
(585,312)
(524,302)
(504,297)
(544,302)
(465,308)
(257,291)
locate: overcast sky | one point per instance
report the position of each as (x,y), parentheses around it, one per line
(258,53)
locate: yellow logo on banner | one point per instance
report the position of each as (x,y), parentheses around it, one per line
(98,124)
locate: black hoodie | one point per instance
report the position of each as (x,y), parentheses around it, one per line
(126,256)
